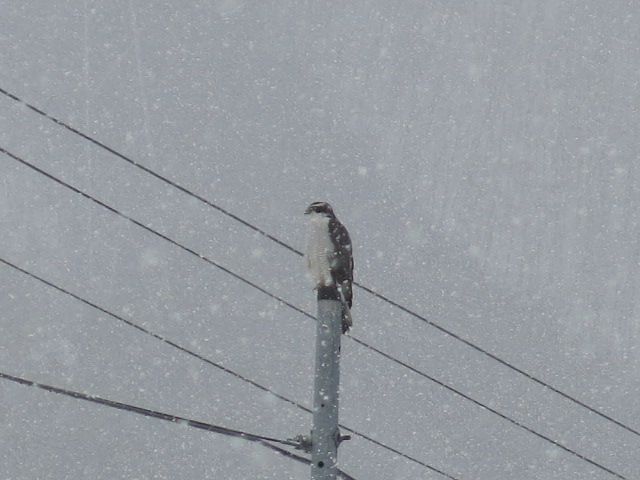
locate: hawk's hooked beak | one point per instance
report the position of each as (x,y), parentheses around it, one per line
(308,211)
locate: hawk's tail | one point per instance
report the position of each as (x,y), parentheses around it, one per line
(347,321)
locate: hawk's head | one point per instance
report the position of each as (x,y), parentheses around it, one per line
(321,208)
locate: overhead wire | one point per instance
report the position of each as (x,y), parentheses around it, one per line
(218,366)
(297,309)
(251,437)
(285,245)
(155,335)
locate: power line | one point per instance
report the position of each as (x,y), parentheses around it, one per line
(490,409)
(285,245)
(251,437)
(149,413)
(217,365)
(151,230)
(297,404)
(146,169)
(154,335)
(362,343)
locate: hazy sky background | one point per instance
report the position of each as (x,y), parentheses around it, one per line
(482,154)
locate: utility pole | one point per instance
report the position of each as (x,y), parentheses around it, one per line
(325,436)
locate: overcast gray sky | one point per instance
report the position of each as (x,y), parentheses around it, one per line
(484,156)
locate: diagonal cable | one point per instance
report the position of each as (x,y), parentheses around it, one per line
(285,245)
(251,437)
(216,365)
(299,405)
(362,343)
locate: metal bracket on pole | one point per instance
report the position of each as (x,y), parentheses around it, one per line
(303,442)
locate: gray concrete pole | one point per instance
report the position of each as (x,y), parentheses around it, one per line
(325,434)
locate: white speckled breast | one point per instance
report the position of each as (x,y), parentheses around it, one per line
(319,248)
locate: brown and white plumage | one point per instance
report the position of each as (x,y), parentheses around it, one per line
(329,255)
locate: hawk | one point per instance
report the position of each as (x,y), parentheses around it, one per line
(329,255)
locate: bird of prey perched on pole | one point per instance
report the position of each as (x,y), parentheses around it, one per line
(329,255)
